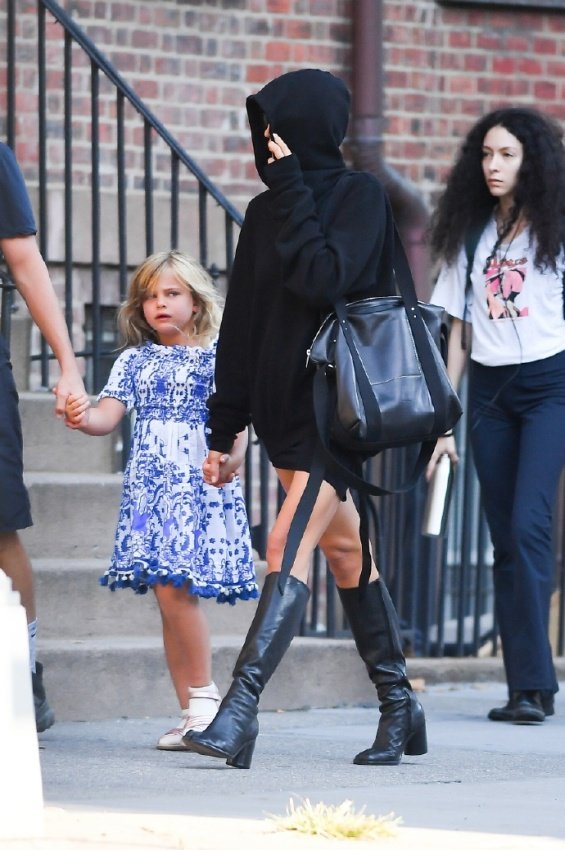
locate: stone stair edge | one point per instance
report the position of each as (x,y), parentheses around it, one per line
(432,670)
(66,564)
(73,478)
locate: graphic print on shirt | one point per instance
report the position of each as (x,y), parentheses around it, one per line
(504,282)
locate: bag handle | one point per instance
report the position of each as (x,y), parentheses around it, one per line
(417,325)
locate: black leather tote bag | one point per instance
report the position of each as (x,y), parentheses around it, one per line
(381,380)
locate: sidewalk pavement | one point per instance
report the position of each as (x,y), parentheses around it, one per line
(482,784)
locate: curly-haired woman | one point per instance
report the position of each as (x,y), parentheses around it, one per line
(499,229)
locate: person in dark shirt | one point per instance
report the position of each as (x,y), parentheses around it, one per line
(31,278)
(319,232)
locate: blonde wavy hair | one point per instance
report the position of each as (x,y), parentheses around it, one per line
(135,330)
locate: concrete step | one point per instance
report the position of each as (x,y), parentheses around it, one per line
(72,604)
(49,445)
(109,677)
(74,514)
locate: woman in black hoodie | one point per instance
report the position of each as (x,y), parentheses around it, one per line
(320,232)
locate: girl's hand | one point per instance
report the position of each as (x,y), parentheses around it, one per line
(277,147)
(77,409)
(69,383)
(444,446)
(211,468)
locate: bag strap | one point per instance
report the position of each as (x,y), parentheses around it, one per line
(302,516)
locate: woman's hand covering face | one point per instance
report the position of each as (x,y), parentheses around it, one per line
(277,147)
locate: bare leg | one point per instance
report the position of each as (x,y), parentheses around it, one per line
(15,563)
(327,504)
(186,640)
(341,545)
(334,525)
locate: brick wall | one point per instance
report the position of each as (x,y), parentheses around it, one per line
(446,67)
(195,62)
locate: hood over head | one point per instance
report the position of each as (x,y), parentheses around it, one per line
(309,109)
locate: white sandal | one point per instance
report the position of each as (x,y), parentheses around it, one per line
(203,704)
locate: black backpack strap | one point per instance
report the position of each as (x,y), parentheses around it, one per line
(471,241)
(472,238)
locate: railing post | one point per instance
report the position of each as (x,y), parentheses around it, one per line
(95,235)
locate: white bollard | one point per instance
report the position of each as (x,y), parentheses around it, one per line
(21,794)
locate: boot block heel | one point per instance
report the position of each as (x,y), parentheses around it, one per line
(417,743)
(242,759)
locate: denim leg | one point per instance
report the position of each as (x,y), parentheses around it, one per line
(495,440)
(519,453)
(542,454)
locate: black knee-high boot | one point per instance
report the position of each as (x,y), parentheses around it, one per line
(232,733)
(374,623)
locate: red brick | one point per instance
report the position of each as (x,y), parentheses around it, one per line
(488,40)
(517,43)
(460,39)
(299,29)
(556,23)
(258,73)
(531,67)
(545,90)
(545,46)
(278,7)
(277,51)
(145,39)
(475,62)
(504,65)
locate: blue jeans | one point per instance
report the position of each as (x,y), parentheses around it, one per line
(518,440)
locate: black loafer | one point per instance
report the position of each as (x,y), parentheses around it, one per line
(525,707)
(529,708)
(504,713)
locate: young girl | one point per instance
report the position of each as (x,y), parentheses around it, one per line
(175,534)
(507,189)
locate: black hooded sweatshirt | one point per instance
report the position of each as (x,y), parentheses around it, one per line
(318,233)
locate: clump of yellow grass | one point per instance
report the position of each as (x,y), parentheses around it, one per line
(336,821)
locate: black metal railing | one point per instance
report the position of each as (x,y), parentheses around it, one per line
(442,587)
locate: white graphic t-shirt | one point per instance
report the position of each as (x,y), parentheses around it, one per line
(516,310)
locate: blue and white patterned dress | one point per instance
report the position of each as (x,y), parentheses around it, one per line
(173,527)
